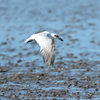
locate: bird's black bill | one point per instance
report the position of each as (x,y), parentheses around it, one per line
(60,39)
(29,41)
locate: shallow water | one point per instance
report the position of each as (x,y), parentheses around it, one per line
(76,73)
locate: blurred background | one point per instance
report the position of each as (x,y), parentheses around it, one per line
(76,21)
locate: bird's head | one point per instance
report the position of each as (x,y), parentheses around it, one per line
(56,36)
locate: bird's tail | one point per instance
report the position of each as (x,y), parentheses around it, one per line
(31,38)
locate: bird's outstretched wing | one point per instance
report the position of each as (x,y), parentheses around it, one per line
(48,54)
(31,38)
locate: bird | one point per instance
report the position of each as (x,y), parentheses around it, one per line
(46,42)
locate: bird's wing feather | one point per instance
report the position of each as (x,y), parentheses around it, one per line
(31,38)
(48,53)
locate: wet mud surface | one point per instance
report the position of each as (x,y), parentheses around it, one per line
(76,74)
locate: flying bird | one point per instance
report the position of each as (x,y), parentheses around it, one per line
(46,42)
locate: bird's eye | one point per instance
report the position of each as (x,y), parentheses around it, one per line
(56,36)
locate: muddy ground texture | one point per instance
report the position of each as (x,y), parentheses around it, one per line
(76,74)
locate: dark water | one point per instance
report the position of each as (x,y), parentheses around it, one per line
(76,75)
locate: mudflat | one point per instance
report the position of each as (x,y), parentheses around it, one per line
(76,74)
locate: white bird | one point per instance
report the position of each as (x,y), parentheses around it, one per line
(47,45)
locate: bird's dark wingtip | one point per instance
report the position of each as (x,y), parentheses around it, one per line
(29,41)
